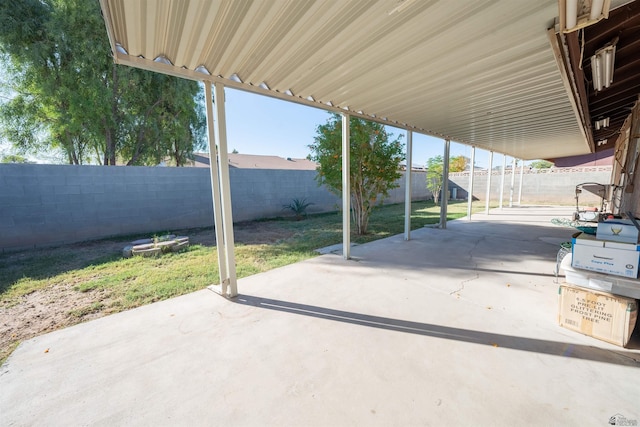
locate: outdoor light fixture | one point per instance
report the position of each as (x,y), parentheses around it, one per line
(576,14)
(602,123)
(602,66)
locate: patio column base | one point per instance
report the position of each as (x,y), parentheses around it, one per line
(219,290)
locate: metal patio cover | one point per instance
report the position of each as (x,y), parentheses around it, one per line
(478,72)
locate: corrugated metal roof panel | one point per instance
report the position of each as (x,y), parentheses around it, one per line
(480,72)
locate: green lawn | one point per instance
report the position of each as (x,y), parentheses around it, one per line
(97,269)
(137,281)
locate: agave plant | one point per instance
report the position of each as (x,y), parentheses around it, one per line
(298,207)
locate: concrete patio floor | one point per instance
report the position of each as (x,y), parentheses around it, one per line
(454,327)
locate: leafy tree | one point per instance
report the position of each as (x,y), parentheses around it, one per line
(459,163)
(541,164)
(374,163)
(14,158)
(435,168)
(70,96)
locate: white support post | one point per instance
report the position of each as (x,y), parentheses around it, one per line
(346,188)
(470,190)
(215,185)
(229,285)
(520,184)
(504,168)
(513,181)
(444,199)
(488,201)
(407,183)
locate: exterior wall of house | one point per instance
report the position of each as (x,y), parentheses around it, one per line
(46,205)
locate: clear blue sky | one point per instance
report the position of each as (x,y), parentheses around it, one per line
(258,124)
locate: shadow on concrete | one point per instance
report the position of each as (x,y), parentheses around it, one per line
(554,348)
(474,245)
(525,273)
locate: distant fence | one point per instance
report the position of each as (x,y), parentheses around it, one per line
(44,205)
(539,186)
(532,171)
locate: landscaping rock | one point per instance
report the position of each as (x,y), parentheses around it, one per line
(147,252)
(157,246)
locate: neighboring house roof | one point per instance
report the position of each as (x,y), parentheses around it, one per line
(255,161)
(414,166)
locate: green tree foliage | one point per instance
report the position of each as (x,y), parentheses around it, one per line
(435,167)
(541,164)
(459,163)
(374,163)
(70,96)
(14,158)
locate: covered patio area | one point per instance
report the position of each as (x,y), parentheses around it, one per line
(456,326)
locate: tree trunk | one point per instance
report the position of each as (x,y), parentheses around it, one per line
(110,149)
(70,149)
(359,211)
(108,138)
(141,134)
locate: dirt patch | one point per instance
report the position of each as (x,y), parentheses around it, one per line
(61,305)
(47,310)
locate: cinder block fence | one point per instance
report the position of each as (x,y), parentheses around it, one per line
(45,205)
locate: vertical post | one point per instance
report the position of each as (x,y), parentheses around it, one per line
(488,201)
(444,199)
(215,185)
(520,184)
(470,190)
(229,285)
(346,188)
(407,189)
(513,182)
(504,167)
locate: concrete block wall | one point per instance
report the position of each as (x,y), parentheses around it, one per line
(42,205)
(45,205)
(419,189)
(261,193)
(555,186)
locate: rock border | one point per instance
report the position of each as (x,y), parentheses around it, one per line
(156,246)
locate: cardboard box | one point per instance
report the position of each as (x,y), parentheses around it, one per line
(617,230)
(600,315)
(620,259)
(623,286)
